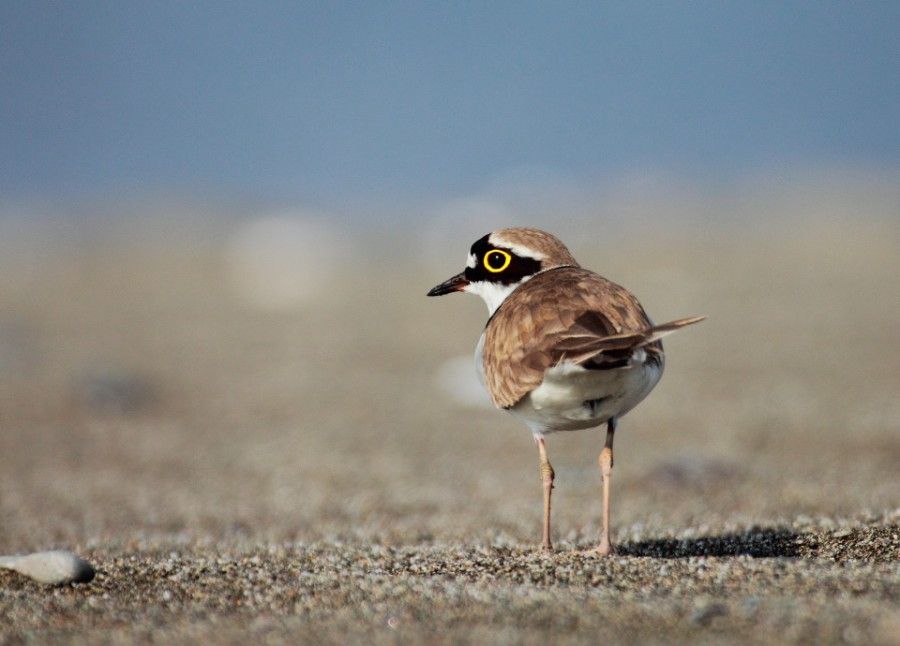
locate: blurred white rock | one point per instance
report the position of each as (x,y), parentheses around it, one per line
(456,379)
(52,568)
(285,260)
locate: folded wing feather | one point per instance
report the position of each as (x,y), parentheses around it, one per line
(581,348)
(567,314)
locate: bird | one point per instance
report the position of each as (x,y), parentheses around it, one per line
(563,348)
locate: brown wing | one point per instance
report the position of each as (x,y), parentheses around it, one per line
(563,314)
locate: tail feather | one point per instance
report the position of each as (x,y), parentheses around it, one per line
(581,348)
(659,331)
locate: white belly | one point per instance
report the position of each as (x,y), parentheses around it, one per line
(571,397)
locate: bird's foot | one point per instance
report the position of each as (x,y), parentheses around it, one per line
(603,550)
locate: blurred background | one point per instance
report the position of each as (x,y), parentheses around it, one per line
(218,223)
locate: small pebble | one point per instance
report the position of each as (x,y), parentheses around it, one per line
(56,567)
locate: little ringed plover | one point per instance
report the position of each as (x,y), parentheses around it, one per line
(563,348)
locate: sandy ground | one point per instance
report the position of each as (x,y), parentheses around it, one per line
(322,473)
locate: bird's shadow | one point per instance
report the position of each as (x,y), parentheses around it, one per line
(758,543)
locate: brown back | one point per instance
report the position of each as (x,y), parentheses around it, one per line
(555,315)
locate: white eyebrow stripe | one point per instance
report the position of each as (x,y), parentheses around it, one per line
(519,250)
(471,261)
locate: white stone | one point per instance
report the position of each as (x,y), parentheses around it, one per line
(53,568)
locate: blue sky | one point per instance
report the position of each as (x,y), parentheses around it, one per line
(328,101)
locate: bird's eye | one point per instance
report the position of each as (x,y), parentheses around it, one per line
(496,260)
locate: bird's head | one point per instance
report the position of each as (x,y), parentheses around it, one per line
(504,259)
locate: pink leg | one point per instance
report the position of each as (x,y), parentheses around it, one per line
(547,476)
(606,464)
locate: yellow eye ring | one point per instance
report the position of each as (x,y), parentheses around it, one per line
(496,269)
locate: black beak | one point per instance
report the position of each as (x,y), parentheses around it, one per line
(455,284)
